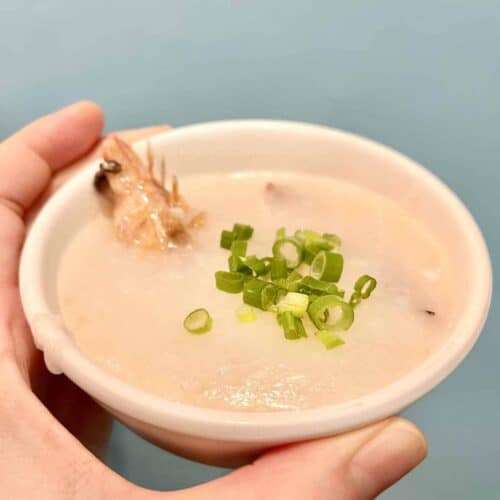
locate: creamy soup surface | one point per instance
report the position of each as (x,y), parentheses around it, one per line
(125,308)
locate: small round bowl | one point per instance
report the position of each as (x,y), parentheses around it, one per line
(230,438)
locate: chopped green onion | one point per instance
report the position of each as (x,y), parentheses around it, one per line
(267,262)
(309,255)
(239,248)
(198,321)
(258,266)
(308,284)
(365,286)
(284,290)
(288,249)
(313,297)
(294,302)
(226,239)
(304,235)
(284,284)
(299,327)
(327,266)
(259,293)
(329,339)
(292,326)
(355,299)
(280,233)
(323,313)
(237,264)
(294,276)
(242,231)
(230,282)
(278,269)
(246,314)
(290,283)
(313,243)
(333,239)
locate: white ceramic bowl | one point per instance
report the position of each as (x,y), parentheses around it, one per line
(226,437)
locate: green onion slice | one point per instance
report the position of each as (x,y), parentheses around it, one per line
(288,249)
(198,321)
(242,231)
(292,326)
(293,302)
(258,266)
(313,243)
(291,283)
(327,266)
(309,255)
(355,299)
(246,314)
(278,269)
(365,286)
(259,293)
(329,312)
(309,285)
(280,233)
(333,239)
(239,248)
(226,239)
(230,282)
(306,234)
(329,339)
(237,264)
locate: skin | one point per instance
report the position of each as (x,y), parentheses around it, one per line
(51,433)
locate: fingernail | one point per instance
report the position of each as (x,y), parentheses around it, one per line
(387,456)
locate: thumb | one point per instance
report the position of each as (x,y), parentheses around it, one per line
(357,465)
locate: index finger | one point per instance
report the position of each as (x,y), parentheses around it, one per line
(29,158)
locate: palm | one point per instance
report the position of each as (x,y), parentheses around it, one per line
(69,404)
(37,454)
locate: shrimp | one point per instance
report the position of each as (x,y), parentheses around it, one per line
(145,213)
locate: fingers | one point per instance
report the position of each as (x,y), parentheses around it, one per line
(386,458)
(63,175)
(28,158)
(354,466)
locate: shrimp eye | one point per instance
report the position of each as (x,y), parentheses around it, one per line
(101,182)
(110,167)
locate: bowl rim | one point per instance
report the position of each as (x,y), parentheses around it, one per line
(257,427)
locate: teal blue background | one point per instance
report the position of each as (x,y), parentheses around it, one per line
(422,77)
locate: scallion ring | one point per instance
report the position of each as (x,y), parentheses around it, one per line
(327,266)
(293,302)
(242,231)
(308,284)
(290,250)
(258,266)
(292,326)
(198,321)
(246,314)
(226,239)
(329,312)
(230,282)
(365,285)
(259,293)
(355,299)
(329,339)
(278,268)
(239,248)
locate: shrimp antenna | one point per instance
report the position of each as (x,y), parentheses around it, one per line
(163,171)
(151,161)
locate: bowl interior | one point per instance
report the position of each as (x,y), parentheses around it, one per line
(267,145)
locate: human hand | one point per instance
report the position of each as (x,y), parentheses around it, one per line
(51,432)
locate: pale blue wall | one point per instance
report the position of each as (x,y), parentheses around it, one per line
(423,77)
